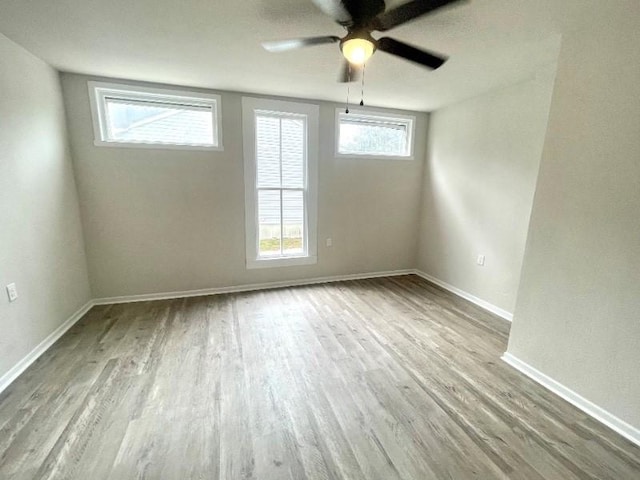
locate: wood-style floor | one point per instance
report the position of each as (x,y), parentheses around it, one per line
(377,379)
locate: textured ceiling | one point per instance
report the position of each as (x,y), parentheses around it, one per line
(216,44)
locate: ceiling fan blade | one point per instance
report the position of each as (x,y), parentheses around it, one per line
(293,43)
(400,49)
(407,12)
(345,76)
(335,9)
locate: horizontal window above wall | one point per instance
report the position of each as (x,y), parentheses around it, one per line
(369,134)
(131,116)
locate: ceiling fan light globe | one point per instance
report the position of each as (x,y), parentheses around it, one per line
(357,50)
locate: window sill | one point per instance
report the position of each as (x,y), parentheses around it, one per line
(281,262)
(158,146)
(368,156)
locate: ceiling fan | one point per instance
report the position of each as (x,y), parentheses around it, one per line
(360,18)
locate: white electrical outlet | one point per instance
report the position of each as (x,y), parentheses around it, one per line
(329,242)
(12,292)
(480,260)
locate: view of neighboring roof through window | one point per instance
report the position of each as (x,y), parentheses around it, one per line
(154,118)
(367,134)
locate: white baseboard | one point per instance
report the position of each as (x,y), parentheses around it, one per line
(619,426)
(42,347)
(247,287)
(467,296)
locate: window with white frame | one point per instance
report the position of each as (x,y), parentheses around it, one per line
(280,153)
(362,133)
(134,116)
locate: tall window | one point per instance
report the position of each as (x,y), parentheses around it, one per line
(280,142)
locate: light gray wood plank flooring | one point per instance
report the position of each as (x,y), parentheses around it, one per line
(388,378)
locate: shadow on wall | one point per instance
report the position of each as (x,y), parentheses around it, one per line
(480,178)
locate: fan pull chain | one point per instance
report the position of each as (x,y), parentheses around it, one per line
(346,110)
(364,66)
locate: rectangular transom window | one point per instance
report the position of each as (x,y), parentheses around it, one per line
(369,134)
(280,141)
(131,116)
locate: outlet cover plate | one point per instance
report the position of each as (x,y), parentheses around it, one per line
(12,292)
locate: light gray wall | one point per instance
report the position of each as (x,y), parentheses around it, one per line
(167,220)
(480,176)
(577,318)
(41,246)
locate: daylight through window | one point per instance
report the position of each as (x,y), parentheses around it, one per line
(280,140)
(374,135)
(280,168)
(157,118)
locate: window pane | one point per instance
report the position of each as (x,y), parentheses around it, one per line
(268,151)
(293,222)
(373,134)
(140,122)
(372,139)
(269,223)
(293,152)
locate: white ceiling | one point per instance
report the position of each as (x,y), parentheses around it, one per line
(216,44)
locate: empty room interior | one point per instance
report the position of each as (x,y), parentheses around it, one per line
(320,239)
